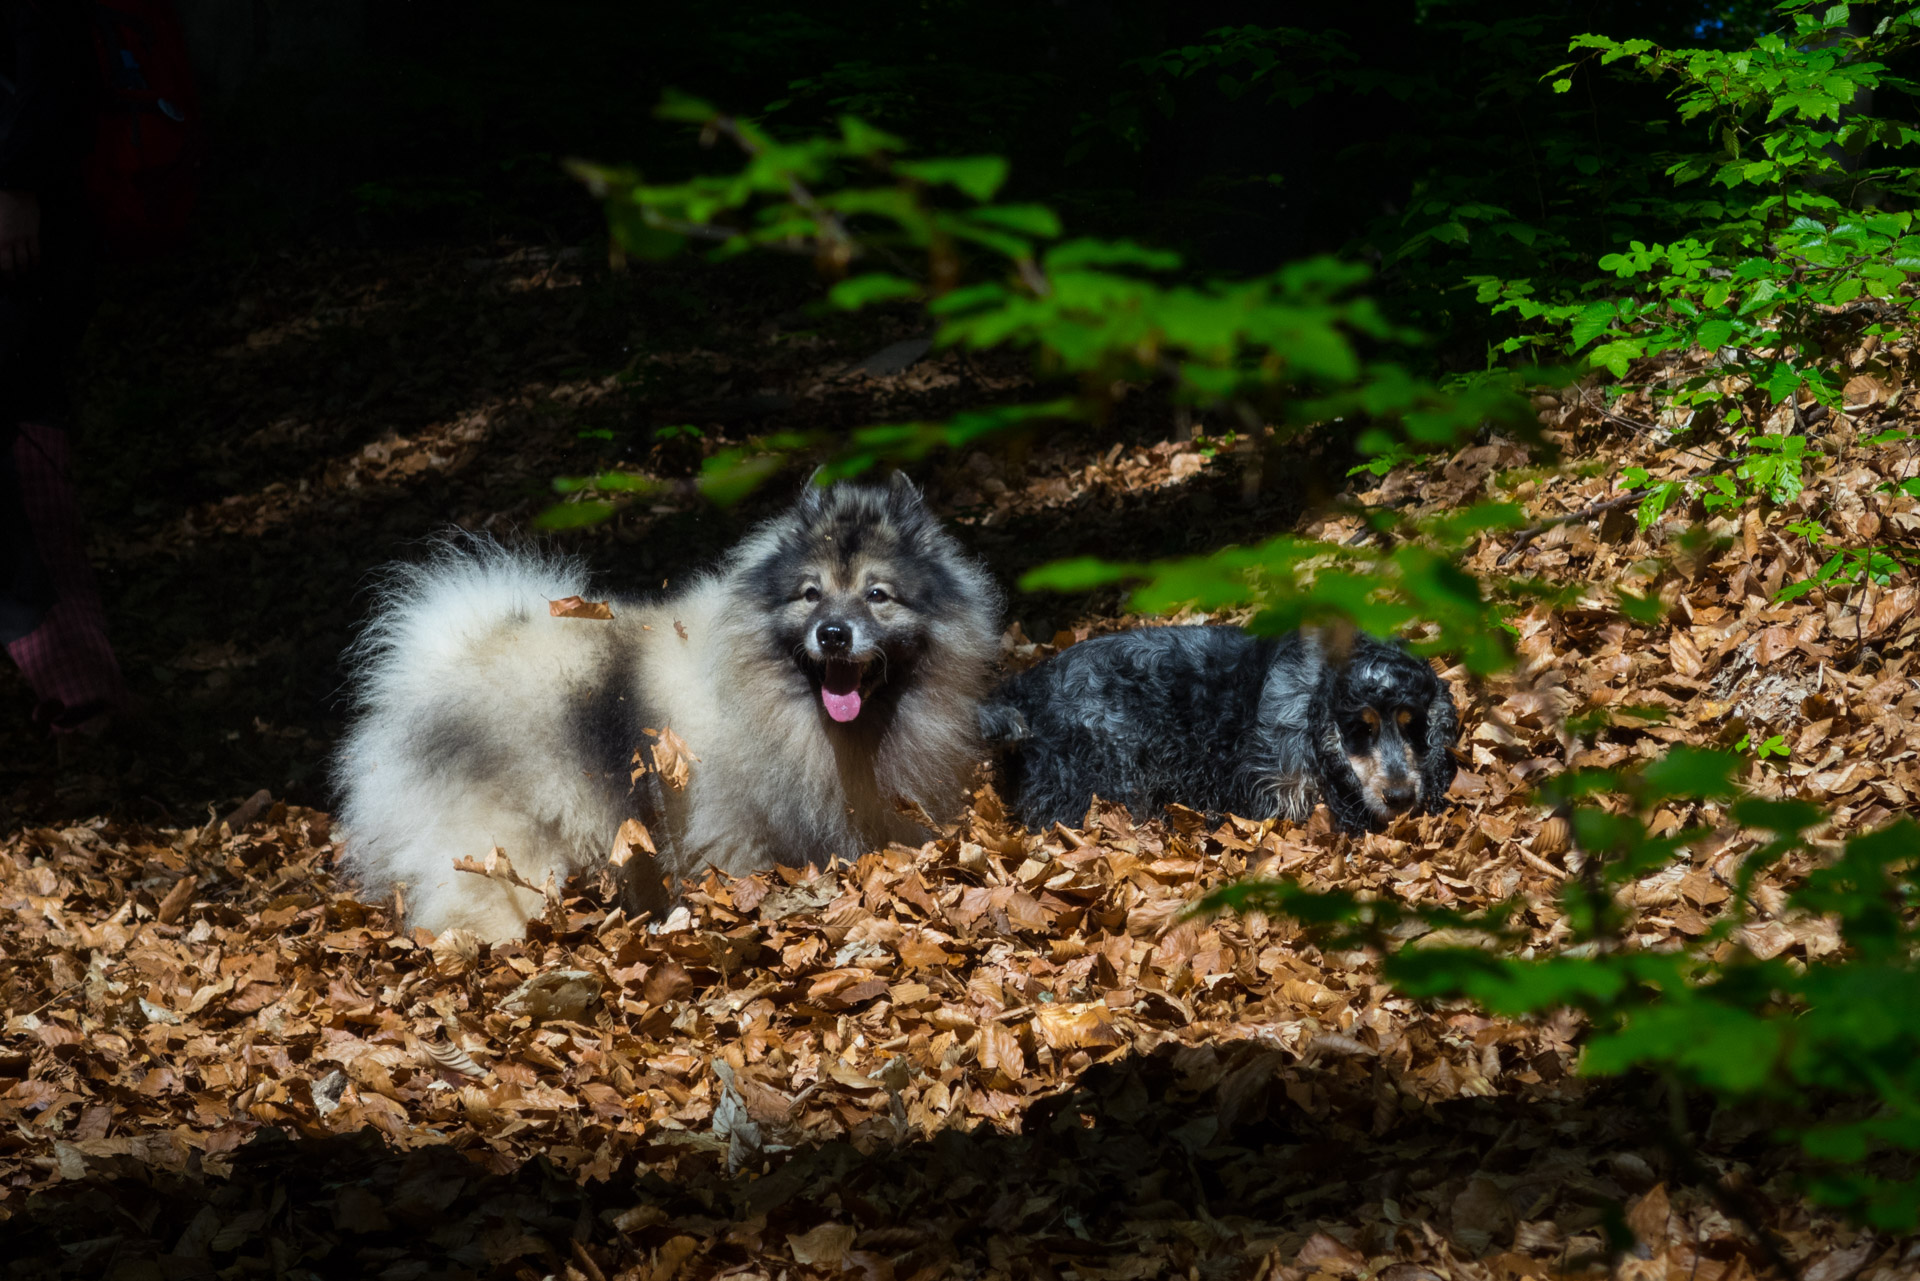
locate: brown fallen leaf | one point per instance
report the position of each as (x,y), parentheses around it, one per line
(1651,1218)
(672,1257)
(632,838)
(575,607)
(456,951)
(1329,1254)
(1072,1027)
(452,1058)
(823,1247)
(672,757)
(245,813)
(555,994)
(176,901)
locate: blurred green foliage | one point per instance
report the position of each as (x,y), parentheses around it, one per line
(1832,1045)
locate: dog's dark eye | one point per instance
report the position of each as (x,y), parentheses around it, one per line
(878,595)
(810,595)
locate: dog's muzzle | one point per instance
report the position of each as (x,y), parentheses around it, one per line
(842,671)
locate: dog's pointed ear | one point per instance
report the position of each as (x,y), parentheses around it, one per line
(813,494)
(905,505)
(902,490)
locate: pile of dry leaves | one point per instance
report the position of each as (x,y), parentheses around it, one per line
(999,1054)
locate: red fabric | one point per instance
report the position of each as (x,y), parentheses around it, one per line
(143,173)
(67,659)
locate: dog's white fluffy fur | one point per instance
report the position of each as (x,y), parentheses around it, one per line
(484,721)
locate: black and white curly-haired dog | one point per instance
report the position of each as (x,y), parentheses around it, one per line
(1220,721)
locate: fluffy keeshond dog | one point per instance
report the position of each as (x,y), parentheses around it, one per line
(830,667)
(1220,721)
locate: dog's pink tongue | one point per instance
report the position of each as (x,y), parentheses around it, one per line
(840,691)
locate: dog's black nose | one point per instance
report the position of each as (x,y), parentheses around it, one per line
(1400,797)
(835,638)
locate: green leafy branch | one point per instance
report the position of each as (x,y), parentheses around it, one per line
(1291,582)
(1834,1042)
(1284,348)
(1754,290)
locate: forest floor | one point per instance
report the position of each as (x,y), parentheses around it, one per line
(1004,1054)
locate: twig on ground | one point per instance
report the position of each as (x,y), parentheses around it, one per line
(1634,424)
(1584,514)
(1600,508)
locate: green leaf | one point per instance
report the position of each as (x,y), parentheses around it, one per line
(1088,252)
(1783,381)
(1713,334)
(977,176)
(1078,575)
(578,515)
(679,106)
(856,292)
(1731,1049)
(1037,221)
(1690,772)
(1592,322)
(1641,609)
(1786,817)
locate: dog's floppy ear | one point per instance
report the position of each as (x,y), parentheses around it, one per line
(1436,762)
(1340,787)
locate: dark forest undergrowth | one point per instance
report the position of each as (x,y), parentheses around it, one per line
(999,1055)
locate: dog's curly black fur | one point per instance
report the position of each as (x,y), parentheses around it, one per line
(1224,722)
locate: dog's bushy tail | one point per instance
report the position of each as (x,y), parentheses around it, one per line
(425,611)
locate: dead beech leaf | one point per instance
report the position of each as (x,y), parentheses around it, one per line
(1329,1254)
(667,982)
(1651,1218)
(452,1058)
(823,1247)
(673,1256)
(1773,644)
(1000,1050)
(632,838)
(1893,607)
(1765,940)
(1685,654)
(175,903)
(575,607)
(554,994)
(1482,1215)
(1085,1025)
(456,951)
(672,758)
(1864,390)
(852,1077)
(1845,1263)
